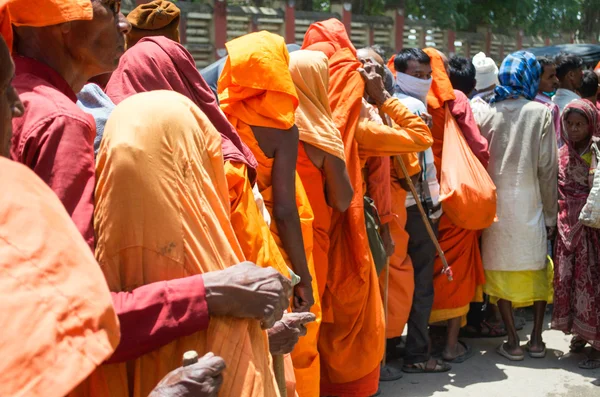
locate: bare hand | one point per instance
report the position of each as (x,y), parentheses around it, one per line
(285,333)
(303,297)
(202,379)
(248,291)
(374,87)
(427,119)
(388,240)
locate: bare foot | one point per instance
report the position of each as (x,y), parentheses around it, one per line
(536,345)
(513,350)
(452,352)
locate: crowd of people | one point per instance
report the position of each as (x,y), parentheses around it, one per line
(287,214)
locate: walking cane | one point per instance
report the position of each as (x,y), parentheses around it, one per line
(190,358)
(385,303)
(446,268)
(278,364)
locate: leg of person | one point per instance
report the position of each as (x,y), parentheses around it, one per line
(422,252)
(455,350)
(536,345)
(511,349)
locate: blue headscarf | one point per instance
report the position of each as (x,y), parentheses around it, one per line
(519,76)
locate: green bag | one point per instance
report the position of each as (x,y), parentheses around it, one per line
(373,225)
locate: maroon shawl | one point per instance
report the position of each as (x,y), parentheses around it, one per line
(573,182)
(157,63)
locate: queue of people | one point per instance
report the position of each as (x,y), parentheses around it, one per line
(287,215)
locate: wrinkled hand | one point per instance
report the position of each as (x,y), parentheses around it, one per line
(374,84)
(303,297)
(388,240)
(285,333)
(202,379)
(248,291)
(427,119)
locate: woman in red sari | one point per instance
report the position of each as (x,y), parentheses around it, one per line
(577,271)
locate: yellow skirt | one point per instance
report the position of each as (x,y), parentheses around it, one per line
(521,288)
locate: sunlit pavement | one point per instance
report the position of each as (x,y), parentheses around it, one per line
(487,374)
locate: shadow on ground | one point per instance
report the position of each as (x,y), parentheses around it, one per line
(488,374)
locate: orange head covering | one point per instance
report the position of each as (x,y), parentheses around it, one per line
(58,321)
(310,73)
(331,30)
(255,85)
(390,65)
(597,66)
(40,13)
(441,88)
(157,18)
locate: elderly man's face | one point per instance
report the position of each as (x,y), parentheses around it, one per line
(98,44)
(370,58)
(10,105)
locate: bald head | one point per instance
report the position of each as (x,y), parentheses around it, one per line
(365,54)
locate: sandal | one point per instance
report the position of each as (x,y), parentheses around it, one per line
(577,345)
(589,363)
(390,373)
(463,357)
(533,354)
(422,368)
(512,357)
(494,330)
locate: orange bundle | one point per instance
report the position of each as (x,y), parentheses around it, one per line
(467,192)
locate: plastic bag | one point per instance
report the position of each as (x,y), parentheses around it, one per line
(590,214)
(467,192)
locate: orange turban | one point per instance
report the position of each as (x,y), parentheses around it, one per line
(157,18)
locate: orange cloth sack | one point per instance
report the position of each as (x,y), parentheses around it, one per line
(467,192)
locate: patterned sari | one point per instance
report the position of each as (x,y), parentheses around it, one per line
(577,261)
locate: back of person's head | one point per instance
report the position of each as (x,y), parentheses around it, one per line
(462,74)
(589,85)
(410,54)
(156,18)
(566,63)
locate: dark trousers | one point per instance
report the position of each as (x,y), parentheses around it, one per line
(422,253)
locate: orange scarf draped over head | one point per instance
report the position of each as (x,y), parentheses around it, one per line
(391,66)
(58,322)
(310,73)
(256,89)
(331,32)
(352,292)
(161,213)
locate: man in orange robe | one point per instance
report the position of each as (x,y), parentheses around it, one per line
(322,168)
(461,247)
(259,99)
(159,63)
(351,342)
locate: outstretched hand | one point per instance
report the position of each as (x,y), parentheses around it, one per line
(285,333)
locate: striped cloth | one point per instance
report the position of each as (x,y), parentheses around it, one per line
(519,76)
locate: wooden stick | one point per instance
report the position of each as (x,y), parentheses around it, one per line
(279,369)
(190,358)
(385,303)
(446,270)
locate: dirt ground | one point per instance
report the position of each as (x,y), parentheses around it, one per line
(489,375)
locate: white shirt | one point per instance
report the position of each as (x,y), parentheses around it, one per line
(563,97)
(429,173)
